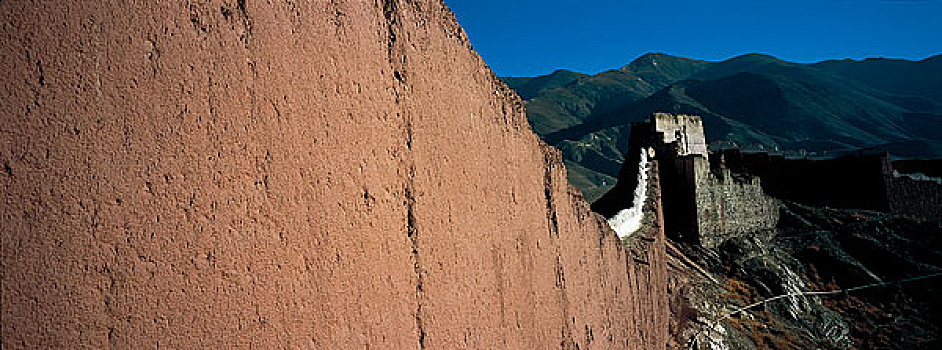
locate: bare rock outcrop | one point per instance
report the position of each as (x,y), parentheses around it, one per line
(300,174)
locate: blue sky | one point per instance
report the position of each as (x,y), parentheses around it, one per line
(529,37)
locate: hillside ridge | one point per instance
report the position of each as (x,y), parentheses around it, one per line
(755,101)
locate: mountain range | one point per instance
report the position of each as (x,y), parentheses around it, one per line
(753,101)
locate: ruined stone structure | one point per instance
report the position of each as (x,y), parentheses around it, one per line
(731,204)
(313,174)
(701,204)
(683,132)
(864,179)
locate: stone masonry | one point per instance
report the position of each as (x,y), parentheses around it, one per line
(701,204)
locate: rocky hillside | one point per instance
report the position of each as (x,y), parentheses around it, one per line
(879,276)
(342,174)
(751,268)
(753,101)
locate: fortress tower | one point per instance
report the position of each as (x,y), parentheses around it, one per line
(685,132)
(701,204)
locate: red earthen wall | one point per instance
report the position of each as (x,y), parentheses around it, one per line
(289,174)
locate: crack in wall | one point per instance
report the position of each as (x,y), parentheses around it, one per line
(551,217)
(413,234)
(42,74)
(397,61)
(550,162)
(240,14)
(566,340)
(391,12)
(341,184)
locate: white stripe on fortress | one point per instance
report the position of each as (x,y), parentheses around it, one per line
(628,221)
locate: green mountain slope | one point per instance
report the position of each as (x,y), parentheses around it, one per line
(915,78)
(530,87)
(564,99)
(755,101)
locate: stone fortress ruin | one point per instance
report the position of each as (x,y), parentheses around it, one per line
(709,198)
(701,205)
(865,179)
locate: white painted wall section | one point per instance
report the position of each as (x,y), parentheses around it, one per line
(628,221)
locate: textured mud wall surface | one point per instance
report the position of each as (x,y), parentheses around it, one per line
(647,252)
(649,271)
(289,174)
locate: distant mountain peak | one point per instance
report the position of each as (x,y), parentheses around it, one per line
(564,71)
(755,56)
(652,59)
(754,99)
(650,56)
